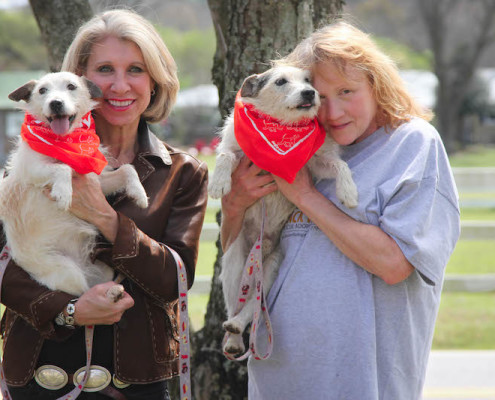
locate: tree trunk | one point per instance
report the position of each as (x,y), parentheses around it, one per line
(455,57)
(58,21)
(249,35)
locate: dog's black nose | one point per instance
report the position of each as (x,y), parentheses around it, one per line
(308,94)
(57,106)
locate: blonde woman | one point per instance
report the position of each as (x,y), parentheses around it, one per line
(135,339)
(354,305)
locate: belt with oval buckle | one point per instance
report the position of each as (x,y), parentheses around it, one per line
(52,377)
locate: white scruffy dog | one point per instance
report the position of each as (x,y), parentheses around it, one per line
(284,93)
(44,238)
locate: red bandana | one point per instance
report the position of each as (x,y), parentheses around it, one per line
(78,149)
(279,149)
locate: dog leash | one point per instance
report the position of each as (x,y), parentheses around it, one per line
(184,370)
(185,352)
(252,275)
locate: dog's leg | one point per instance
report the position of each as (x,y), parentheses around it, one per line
(234,344)
(55,271)
(58,176)
(327,164)
(232,268)
(345,187)
(238,323)
(124,178)
(220,182)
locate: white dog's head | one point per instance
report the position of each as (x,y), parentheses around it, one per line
(59,99)
(285,93)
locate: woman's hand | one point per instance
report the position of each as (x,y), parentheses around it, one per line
(89,204)
(248,186)
(95,308)
(297,190)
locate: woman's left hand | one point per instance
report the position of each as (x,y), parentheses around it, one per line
(295,191)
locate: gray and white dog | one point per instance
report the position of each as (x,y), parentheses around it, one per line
(286,94)
(45,239)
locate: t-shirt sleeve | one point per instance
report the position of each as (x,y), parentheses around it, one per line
(424,221)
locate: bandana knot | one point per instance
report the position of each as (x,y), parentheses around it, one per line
(78,149)
(277,148)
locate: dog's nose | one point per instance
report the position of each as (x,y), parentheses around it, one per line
(57,106)
(308,94)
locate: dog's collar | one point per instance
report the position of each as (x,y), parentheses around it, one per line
(78,149)
(279,149)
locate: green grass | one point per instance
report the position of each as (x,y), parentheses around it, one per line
(478,214)
(206,258)
(197,310)
(472,257)
(474,156)
(465,321)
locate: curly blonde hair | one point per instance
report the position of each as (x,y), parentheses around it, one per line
(125,24)
(344,45)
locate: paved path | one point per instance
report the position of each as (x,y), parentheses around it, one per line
(465,375)
(459,375)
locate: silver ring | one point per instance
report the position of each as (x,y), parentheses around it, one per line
(99,378)
(51,377)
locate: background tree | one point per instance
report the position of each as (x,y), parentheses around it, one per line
(58,21)
(456,57)
(249,35)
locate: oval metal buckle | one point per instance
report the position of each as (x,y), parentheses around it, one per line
(51,377)
(99,378)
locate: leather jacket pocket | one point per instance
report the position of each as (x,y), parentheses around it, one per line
(165,332)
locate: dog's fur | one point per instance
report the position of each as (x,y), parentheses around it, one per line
(44,237)
(280,92)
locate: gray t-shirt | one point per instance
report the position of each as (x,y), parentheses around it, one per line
(341,333)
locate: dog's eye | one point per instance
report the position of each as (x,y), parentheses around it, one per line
(307,80)
(71,86)
(281,82)
(42,90)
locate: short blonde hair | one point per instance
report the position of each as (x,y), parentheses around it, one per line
(346,46)
(127,25)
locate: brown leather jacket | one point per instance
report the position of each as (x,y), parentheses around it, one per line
(145,341)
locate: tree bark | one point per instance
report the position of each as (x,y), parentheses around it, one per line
(58,21)
(249,35)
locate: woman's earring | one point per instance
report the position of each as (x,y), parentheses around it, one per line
(153,92)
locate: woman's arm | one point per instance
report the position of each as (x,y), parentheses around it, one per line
(367,245)
(248,186)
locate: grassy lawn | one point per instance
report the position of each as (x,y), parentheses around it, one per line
(465,321)
(474,156)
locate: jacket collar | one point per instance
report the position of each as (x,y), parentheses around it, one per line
(150,145)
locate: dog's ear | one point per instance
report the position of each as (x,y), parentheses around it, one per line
(94,90)
(24,92)
(253,84)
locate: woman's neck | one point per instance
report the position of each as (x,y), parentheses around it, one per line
(120,141)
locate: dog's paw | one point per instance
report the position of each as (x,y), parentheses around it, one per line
(348,196)
(232,326)
(115,293)
(218,189)
(234,345)
(139,196)
(62,194)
